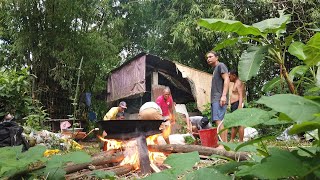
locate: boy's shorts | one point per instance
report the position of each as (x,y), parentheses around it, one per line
(218,112)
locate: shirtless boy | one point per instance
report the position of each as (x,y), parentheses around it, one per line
(236,100)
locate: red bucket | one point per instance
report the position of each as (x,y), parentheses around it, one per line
(209,137)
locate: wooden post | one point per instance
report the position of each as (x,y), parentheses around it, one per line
(105,146)
(154,81)
(143,154)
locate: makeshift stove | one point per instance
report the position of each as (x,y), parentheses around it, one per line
(129,129)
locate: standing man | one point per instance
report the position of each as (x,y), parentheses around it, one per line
(236,100)
(166,104)
(219,91)
(116,112)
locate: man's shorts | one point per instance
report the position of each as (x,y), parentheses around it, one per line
(234,106)
(218,112)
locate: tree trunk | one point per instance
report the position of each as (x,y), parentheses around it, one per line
(117,157)
(289,82)
(207,151)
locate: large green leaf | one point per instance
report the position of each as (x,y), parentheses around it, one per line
(312,50)
(223,25)
(313,98)
(273,25)
(14,161)
(306,151)
(179,163)
(318,76)
(163,175)
(275,121)
(230,167)
(296,49)
(247,117)
(54,168)
(250,61)
(303,127)
(253,141)
(296,107)
(233,147)
(269,86)
(103,174)
(230,42)
(298,71)
(207,173)
(280,164)
(182,162)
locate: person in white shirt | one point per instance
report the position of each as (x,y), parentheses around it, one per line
(150,111)
(198,123)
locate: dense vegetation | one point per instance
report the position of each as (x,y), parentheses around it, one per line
(51,37)
(274,45)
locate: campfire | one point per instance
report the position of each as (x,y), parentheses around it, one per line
(132,153)
(131,146)
(132,137)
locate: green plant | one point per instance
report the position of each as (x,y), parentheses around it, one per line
(15,164)
(15,97)
(268,40)
(181,122)
(36,117)
(76,97)
(15,91)
(189,140)
(303,112)
(207,111)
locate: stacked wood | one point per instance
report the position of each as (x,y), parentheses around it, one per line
(101,159)
(207,151)
(118,170)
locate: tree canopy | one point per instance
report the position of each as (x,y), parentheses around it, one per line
(50,37)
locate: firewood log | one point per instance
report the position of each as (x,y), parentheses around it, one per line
(118,170)
(207,151)
(101,160)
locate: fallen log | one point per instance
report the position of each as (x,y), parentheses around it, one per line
(97,161)
(207,151)
(118,170)
(101,154)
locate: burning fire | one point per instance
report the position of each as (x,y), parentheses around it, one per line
(166,131)
(131,154)
(111,143)
(172,119)
(155,156)
(131,150)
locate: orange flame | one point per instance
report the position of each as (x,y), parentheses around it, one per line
(131,153)
(172,118)
(111,143)
(166,131)
(155,156)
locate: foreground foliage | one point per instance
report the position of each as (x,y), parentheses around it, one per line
(15,164)
(15,97)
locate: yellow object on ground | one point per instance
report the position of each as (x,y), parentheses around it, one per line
(50,152)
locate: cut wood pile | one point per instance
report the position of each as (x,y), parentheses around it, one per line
(109,161)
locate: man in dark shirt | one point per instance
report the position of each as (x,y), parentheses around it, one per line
(219,91)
